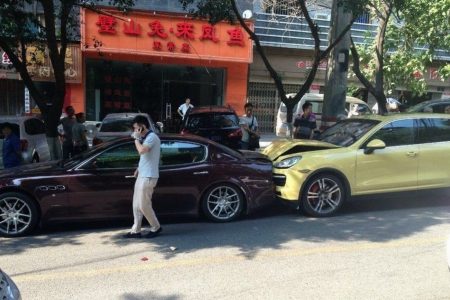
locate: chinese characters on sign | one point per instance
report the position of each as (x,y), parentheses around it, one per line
(307,64)
(165,37)
(39,65)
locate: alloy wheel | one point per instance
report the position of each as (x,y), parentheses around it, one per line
(324,195)
(223,203)
(15,215)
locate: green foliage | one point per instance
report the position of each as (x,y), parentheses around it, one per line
(416,29)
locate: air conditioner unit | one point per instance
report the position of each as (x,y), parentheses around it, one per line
(325,17)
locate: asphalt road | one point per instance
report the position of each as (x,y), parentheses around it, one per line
(390,247)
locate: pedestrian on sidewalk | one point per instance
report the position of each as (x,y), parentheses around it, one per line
(11,154)
(249,125)
(80,143)
(184,108)
(305,123)
(148,146)
(67,125)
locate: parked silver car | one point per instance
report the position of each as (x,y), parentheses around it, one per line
(120,125)
(8,289)
(31,132)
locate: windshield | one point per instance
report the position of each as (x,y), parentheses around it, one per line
(347,132)
(116,125)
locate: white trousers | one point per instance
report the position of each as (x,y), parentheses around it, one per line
(142,204)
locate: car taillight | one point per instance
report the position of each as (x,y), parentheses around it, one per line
(236,134)
(23,145)
(96,141)
(184,131)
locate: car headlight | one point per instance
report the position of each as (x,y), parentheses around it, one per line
(288,162)
(8,289)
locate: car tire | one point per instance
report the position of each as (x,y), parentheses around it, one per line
(323,195)
(19,214)
(223,203)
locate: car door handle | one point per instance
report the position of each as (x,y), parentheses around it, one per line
(411,154)
(130,176)
(201,173)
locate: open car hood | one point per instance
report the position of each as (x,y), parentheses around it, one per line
(289,146)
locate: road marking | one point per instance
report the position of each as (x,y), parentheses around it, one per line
(260,255)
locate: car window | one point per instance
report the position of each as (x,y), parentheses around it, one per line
(225,121)
(34,126)
(199,121)
(433,130)
(123,156)
(15,130)
(116,125)
(396,133)
(439,108)
(347,132)
(180,152)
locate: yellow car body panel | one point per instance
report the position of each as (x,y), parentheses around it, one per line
(393,169)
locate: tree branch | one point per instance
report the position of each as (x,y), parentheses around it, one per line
(258,46)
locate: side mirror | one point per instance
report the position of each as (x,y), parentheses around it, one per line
(373,145)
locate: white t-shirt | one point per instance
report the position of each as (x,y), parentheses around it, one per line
(149,161)
(247,120)
(184,108)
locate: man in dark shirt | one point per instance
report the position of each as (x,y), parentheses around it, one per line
(11,147)
(67,124)
(305,124)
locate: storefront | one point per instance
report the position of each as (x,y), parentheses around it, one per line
(152,62)
(14,96)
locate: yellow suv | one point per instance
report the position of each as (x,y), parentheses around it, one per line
(360,156)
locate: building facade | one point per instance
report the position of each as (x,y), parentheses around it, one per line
(150,61)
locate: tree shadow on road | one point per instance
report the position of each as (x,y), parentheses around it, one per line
(148,295)
(368,219)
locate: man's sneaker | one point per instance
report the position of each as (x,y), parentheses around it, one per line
(130,235)
(153,234)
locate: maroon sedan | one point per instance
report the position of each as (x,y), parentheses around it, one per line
(197,176)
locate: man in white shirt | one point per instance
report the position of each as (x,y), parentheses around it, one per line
(148,146)
(249,126)
(182,110)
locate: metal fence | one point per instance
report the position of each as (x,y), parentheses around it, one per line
(266,101)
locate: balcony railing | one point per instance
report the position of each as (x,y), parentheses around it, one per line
(293,32)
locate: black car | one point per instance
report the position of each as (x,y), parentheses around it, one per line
(431,106)
(217,123)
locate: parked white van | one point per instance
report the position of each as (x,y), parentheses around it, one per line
(353,107)
(31,132)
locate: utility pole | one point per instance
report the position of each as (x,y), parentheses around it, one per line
(337,68)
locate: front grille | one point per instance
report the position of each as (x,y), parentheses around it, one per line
(279,180)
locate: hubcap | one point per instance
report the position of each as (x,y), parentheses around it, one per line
(324,195)
(15,215)
(223,202)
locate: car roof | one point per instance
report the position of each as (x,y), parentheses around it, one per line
(400,116)
(444,100)
(127,115)
(16,118)
(211,108)
(319,97)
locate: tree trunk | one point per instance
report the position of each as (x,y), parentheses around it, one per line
(379,60)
